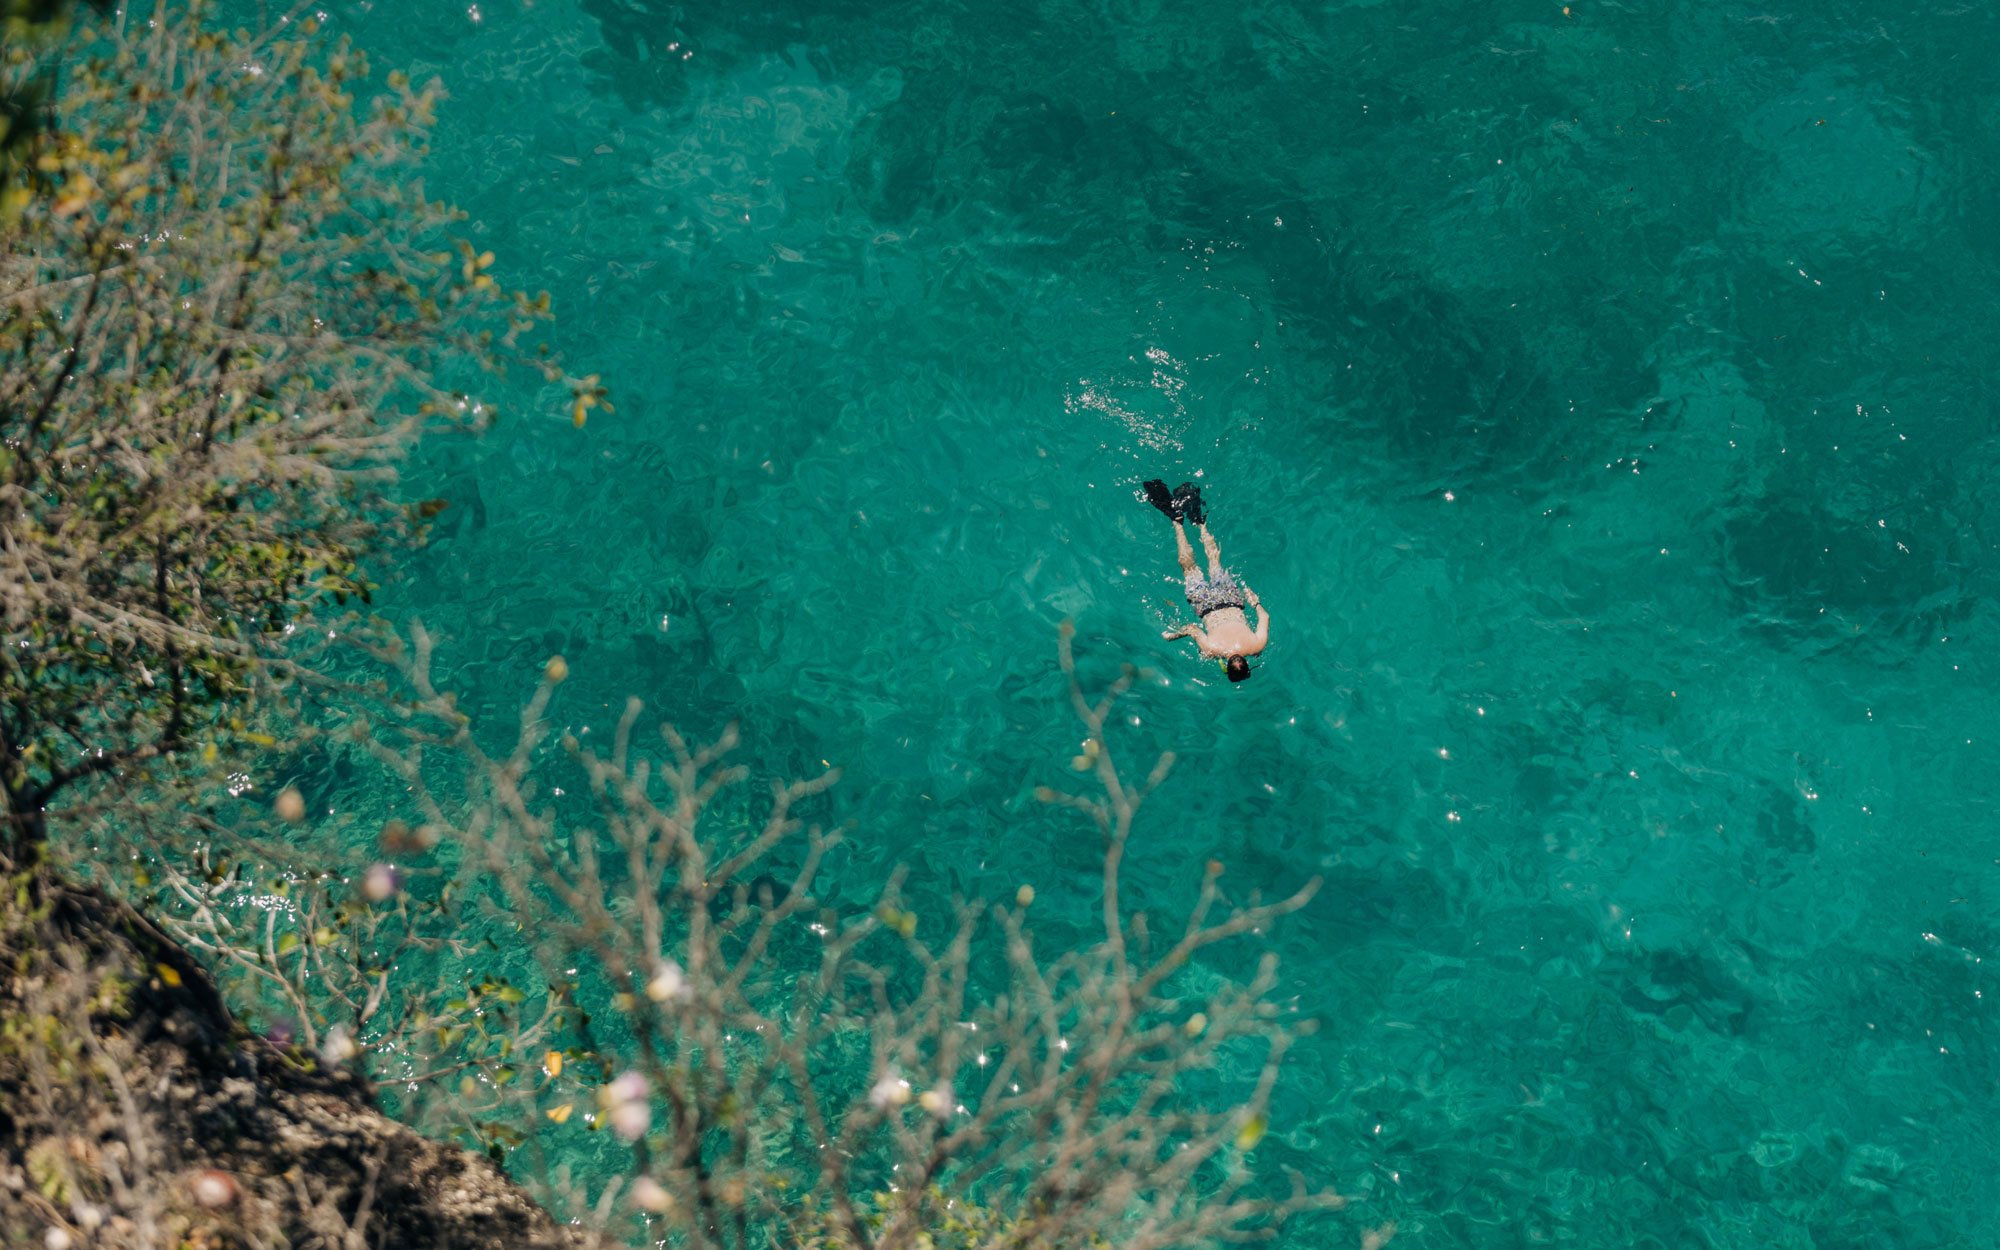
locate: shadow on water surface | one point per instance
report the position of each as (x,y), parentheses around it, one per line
(1874,577)
(1105,178)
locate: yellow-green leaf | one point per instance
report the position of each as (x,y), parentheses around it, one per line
(1252,1132)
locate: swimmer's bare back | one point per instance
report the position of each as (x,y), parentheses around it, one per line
(1222,630)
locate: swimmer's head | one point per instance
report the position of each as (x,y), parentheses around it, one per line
(1238,668)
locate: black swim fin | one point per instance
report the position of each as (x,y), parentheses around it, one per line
(1183,503)
(1187,500)
(1160,497)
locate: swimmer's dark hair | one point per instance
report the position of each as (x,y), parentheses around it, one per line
(1239,668)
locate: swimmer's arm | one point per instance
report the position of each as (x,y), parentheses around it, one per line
(1263,616)
(1187,631)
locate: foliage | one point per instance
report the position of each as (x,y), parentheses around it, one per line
(21,17)
(221,326)
(27,81)
(756,1066)
(784,1073)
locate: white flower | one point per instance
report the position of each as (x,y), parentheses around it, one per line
(213,1188)
(891,1091)
(339,1045)
(668,982)
(627,1102)
(380,883)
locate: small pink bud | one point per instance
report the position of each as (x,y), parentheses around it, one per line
(628,1087)
(651,1195)
(630,1120)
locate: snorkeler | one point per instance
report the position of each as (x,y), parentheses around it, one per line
(1224,631)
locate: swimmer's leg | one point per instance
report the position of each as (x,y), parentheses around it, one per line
(1209,545)
(1189,567)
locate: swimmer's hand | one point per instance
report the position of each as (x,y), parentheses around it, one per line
(1178,631)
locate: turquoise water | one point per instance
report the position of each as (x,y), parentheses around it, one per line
(1602,403)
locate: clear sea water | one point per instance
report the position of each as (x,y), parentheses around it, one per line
(1602,399)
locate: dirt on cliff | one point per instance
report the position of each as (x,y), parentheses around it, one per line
(135,1113)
